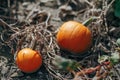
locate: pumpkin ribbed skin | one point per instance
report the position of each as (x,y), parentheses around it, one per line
(74,37)
(28,60)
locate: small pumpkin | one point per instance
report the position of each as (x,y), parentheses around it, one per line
(74,37)
(28,60)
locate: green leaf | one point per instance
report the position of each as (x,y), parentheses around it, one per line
(63,63)
(115,58)
(117,8)
(118,41)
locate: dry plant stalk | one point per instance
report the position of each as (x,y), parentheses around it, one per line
(39,37)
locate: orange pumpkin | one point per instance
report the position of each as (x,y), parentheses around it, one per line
(28,60)
(74,37)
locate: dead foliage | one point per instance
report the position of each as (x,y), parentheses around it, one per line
(34,24)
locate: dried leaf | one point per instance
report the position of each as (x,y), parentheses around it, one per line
(17,74)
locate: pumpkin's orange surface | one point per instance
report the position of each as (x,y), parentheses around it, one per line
(28,60)
(74,37)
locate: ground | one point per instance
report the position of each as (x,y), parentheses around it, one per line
(35,23)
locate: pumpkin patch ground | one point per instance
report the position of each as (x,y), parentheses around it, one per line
(59,40)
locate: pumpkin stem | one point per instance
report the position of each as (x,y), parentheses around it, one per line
(88,21)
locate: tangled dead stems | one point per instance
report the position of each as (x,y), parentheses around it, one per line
(35,36)
(39,37)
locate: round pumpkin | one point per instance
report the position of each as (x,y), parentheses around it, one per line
(74,37)
(28,60)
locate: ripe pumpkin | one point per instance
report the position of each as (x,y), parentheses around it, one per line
(74,37)
(28,60)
